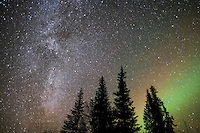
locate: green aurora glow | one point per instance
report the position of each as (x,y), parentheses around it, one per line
(179,93)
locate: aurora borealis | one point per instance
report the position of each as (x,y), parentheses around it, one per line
(52,48)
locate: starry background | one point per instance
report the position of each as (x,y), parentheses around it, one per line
(50,49)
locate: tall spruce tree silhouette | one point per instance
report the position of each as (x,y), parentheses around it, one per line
(156,118)
(101,113)
(125,117)
(76,121)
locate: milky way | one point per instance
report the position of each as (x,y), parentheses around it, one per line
(50,49)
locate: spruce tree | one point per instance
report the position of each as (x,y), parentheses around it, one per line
(156,118)
(76,122)
(101,110)
(148,118)
(125,117)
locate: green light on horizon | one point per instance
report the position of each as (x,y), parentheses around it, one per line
(179,93)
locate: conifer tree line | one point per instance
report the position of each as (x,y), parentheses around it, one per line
(102,118)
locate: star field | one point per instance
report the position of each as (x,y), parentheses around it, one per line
(50,49)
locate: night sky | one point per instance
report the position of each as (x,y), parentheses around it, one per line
(50,49)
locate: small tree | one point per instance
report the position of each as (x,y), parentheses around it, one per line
(101,110)
(76,122)
(125,117)
(156,118)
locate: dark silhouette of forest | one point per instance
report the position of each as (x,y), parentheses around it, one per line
(100,117)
